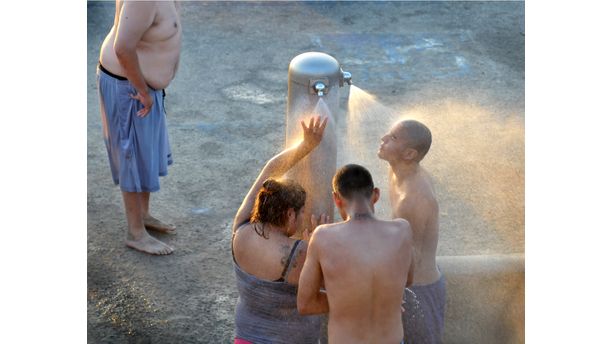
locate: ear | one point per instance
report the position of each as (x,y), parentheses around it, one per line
(337,200)
(291,215)
(410,154)
(375,195)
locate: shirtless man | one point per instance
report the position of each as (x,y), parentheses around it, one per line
(365,263)
(138,59)
(413,199)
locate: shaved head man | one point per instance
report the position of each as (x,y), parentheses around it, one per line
(413,198)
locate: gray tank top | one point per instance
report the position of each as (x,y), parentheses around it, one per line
(266,311)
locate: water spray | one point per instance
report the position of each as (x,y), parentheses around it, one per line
(314,80)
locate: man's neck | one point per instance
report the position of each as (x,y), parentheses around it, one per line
(403,170)
(361,216)
(360,211)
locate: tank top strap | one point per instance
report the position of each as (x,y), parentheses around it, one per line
(289,260)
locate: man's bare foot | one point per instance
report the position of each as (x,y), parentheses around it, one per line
(149,244)
(156,225)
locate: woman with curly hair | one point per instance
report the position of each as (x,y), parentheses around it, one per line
(267,260)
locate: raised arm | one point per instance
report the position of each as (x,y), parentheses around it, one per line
(280,164)
(310,299)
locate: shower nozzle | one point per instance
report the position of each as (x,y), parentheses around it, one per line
(319,88)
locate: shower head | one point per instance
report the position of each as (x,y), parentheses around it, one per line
(320,88)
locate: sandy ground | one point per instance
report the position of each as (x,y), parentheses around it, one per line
(458,67)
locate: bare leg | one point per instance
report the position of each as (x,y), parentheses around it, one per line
(150,222)
(137,237)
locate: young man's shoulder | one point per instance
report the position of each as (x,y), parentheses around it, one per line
(398,222)
(331,232)
(401,225)
(322,232)
(417,203)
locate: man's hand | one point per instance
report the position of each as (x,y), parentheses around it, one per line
(310,299)
(146,101)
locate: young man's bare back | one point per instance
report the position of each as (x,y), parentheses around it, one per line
(413,198)
(365,263)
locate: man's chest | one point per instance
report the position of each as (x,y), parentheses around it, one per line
(166,26)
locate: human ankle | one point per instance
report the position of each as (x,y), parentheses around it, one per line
(136,234)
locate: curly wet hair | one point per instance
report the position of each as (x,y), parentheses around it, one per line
(273,200)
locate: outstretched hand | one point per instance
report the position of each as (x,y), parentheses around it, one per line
(313,133)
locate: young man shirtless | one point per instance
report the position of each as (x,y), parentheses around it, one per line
(413,199)
(138,59)
(365,263)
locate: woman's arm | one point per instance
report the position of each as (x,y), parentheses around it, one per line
(280,164)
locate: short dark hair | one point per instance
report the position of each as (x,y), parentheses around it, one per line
(273,200)
(419,136)
(353,180)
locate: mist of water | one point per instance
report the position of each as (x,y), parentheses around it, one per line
(321,109)
(367,121)
(476,160)
(315,171)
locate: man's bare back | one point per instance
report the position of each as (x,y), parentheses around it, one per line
(159,46)
(365,264)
